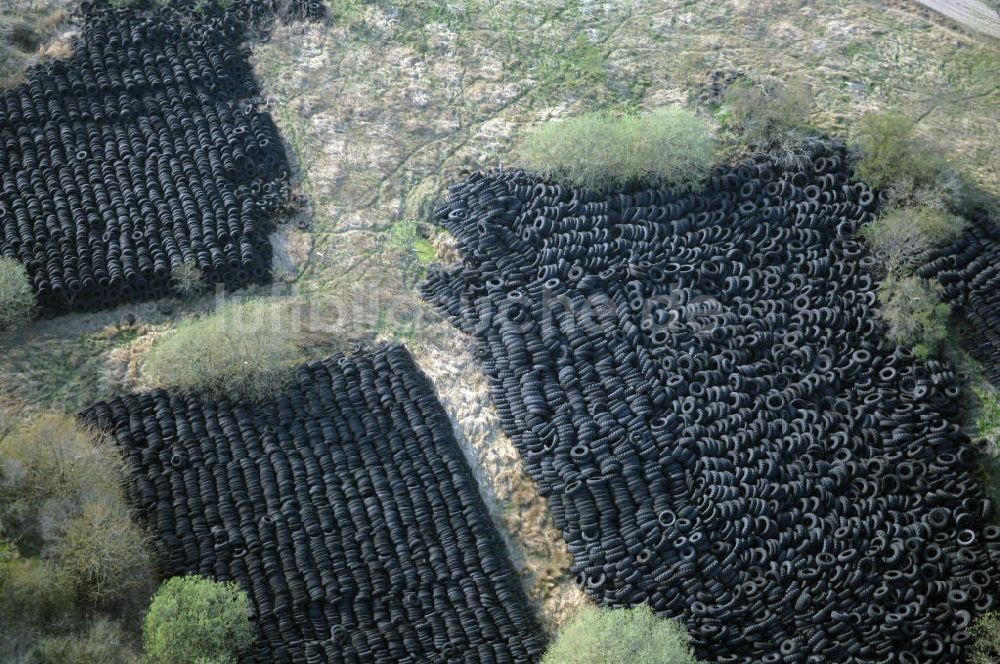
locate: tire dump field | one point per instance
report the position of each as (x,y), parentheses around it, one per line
(344,507)
(145,151)
(702,388)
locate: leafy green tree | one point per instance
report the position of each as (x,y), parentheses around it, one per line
(621,636)
(193,619)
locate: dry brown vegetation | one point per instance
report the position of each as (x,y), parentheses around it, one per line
(32,31)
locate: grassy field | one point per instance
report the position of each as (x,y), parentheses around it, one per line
(385,103)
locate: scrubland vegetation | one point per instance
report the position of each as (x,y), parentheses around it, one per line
(621,636)
(670,147)
(243,349)
(17,300)
(74,569)
(194,619)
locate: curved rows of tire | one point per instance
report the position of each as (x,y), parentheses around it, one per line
(701,386)
(344,507)
(969,271)
(144,151)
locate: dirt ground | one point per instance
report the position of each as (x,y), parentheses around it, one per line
(385,103)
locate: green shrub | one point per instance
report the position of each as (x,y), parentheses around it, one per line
(103,642)
(670,147)
(70,552)
(50,468)
(243,350)
(194,619)
(985,639)
(60,498)
(900,236)
(17,299)
(911,169)
(765,113)
(621,636)
(186,279)
(34,593)
(916,316)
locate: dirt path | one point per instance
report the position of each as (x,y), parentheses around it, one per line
(970,13)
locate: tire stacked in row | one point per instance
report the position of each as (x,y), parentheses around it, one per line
(969,271)
(248,12)
(702,388)
(139,154)
(344,507)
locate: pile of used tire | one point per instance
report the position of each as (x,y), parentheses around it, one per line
(344,507)
(702,388)
(969,271)
(143,152)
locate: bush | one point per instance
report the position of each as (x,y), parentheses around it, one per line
(243,350)
(17,299)
(669,147)
(103,642)
(621,636)
(49,469)
(901,236)
(186,279)
(50,456)
(916,316)
(911,169)
(34,593)
(766,113)
(194,619)
(986,639)
(73,554)
(105,554)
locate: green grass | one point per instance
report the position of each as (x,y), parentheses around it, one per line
(405,235)
(988,417)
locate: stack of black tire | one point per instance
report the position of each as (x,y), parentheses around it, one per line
(969,271)
(143,152)
(701,386)
(344,507)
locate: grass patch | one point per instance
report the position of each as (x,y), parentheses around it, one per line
(988,417)
(243,350)
(407,235)
(27,30)
(669,147)
(617,636)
